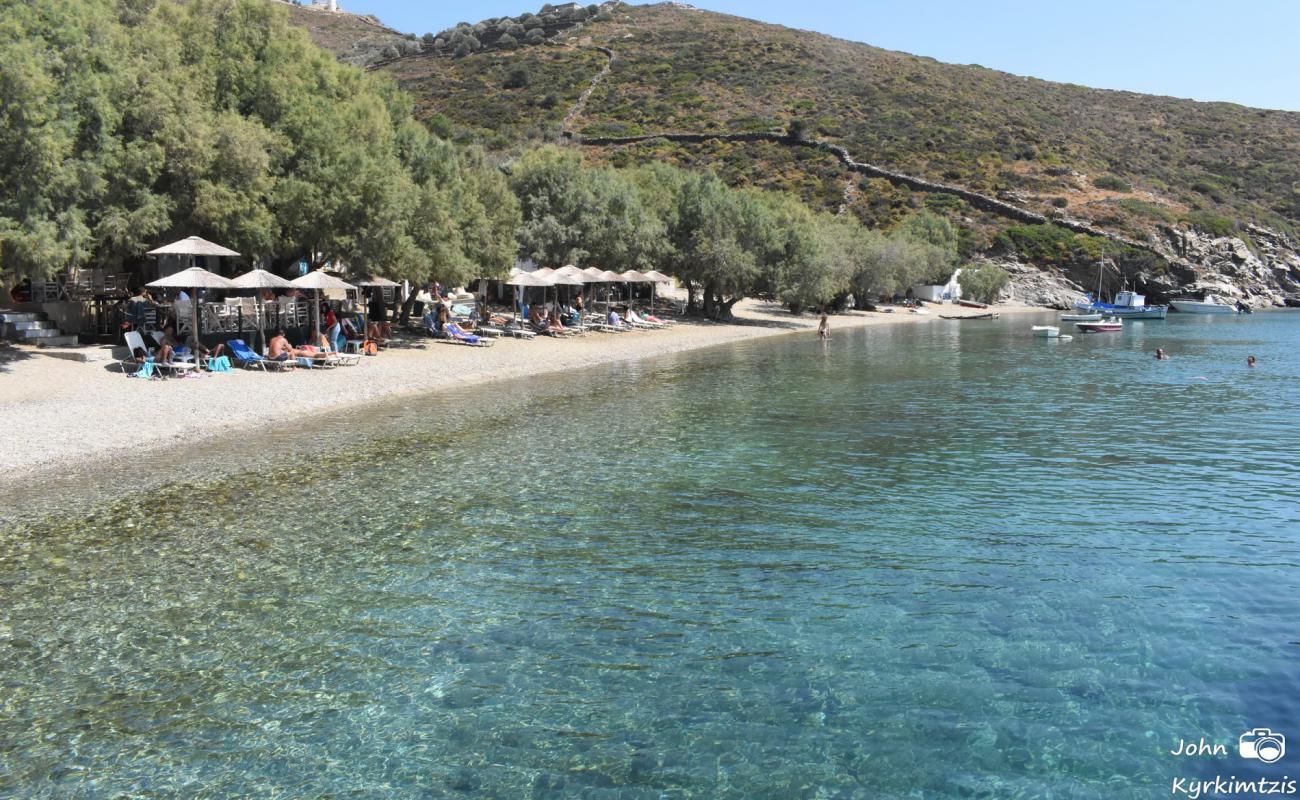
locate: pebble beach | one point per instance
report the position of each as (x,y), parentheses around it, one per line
(55,412)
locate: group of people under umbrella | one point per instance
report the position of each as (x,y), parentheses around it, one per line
(196,279)
(572,276)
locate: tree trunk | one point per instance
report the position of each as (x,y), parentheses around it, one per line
(724,309)
(709,300)
(691,309)
(407,306)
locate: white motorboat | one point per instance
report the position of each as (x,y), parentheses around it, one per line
(1045,331)
(1081,318)
(1210,305)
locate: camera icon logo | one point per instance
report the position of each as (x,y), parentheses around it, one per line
(1262,744)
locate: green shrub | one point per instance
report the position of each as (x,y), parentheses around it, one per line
(1060,202)
(944,202)
(982,283)
(1112,182)
(517,79)
(1142,208)
(1211,223)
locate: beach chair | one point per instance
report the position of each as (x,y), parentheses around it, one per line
(597,322)
(456,333)
(516,329)
(134,341)
(244,356)
(341,358)
(636,321)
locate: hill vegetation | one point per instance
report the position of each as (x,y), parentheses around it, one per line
(1119,160)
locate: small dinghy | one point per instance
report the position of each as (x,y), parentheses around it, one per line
(1104,326)
(1081,318)
(1045,331)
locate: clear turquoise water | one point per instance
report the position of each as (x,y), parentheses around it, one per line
(940,561)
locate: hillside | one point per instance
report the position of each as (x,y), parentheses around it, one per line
(1187,179)
(356,39)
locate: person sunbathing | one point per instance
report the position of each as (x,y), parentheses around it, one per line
(279,349)
(555,322)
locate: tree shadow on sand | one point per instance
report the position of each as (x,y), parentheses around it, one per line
(10,354)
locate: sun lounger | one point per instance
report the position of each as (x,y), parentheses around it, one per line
(245,357)
(518,331)
(317,359)
(597,322)
(344,359)
(456,333)
(636,321)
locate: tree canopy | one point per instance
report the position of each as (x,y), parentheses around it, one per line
(723,243)
(125,123)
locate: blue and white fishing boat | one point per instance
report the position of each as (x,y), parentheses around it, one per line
(1127,305)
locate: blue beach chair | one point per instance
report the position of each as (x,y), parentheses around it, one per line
(458,334)
(246,357)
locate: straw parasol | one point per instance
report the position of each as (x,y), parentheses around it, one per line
(194,278)
(658,277)
(261,279)
(383,283)
(320,281)
(529,279)
(192,246)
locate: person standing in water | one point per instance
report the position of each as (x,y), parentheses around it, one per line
(1250,361)
(1161,355)
(824,327)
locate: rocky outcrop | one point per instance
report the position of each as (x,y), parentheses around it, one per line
(1263,271)
(1032,286)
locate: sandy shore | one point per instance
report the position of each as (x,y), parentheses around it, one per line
(55,412)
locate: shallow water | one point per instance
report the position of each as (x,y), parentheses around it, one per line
(933,561)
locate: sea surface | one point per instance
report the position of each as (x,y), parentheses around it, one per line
(930,561)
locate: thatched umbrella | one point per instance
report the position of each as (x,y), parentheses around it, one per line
(658,278)
(610,277)
(630,277)
(319,281)
(194,278)
(193,246)
(259,279)
(528,279)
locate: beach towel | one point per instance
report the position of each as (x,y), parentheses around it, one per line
(220,364)
(145,370)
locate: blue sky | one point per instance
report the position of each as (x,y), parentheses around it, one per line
(1244,52)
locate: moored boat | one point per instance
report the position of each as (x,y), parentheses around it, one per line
(989,315)
(1210,305)
(972,304)
(1045,331)
(1081,318)
(1103,326)
(1129,305)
